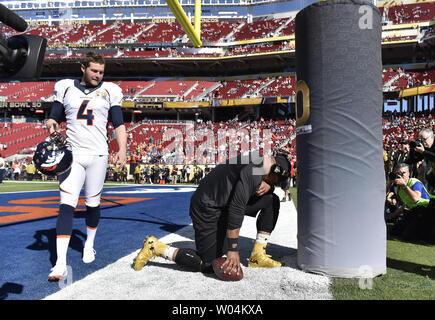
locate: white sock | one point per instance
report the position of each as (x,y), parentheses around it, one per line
(61,249)
(262,238)
(90,237)
(169,253)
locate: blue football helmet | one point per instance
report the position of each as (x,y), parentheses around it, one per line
(53,156)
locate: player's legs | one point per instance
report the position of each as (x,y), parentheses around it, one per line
(286,187)
(210,240)
(95,175)
(268,206)
(70,184)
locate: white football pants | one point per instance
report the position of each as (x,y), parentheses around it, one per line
(89,170)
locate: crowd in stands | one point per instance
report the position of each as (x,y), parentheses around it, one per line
(402,128)
(260,47)
(151,146)
(204,143)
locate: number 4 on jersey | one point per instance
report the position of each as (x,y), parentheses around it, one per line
(85,114)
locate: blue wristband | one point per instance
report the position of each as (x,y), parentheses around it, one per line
(233,244)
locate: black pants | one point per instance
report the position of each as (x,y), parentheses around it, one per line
(415,225)
(210,224)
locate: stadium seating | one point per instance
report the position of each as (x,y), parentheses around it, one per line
(182,90)
(149,140)
(14,138)
(172,89)
(400,79)
(147,32)
(258,29)
(216,31)
(409,13)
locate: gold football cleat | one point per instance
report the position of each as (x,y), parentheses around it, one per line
(151,249)
(260,259)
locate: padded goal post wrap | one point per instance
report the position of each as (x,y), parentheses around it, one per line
(341,189)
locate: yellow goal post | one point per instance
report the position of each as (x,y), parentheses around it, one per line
(193,32)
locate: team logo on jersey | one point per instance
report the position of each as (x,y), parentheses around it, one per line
(102,94)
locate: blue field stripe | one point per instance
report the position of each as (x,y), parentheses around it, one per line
(28,249)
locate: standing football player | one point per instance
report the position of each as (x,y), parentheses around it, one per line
(86,105)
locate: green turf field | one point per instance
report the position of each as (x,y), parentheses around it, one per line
(410,275)
(410,266)
(11,186)
(17,186)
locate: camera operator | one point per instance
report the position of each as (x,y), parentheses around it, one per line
(424,149)
(413,220)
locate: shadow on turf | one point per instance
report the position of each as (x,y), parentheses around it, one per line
(46,240)
(410,267)
(10,287)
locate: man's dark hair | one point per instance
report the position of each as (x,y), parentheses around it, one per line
(282,166)
(94,57)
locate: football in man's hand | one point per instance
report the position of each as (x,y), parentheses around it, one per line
(217,268)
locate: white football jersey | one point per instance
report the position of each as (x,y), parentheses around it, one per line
(87,112)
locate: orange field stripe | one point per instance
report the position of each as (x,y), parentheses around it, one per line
(29,213)
(36,212)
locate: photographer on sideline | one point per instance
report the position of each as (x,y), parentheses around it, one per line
(424,149)
(416,216)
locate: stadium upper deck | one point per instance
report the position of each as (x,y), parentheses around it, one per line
(131,10)
(130,33)
(71,28)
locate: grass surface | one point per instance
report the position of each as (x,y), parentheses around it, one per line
(12,186)
(18,186)
(410,276)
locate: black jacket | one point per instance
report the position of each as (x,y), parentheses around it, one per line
(228,188)
(428,154)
